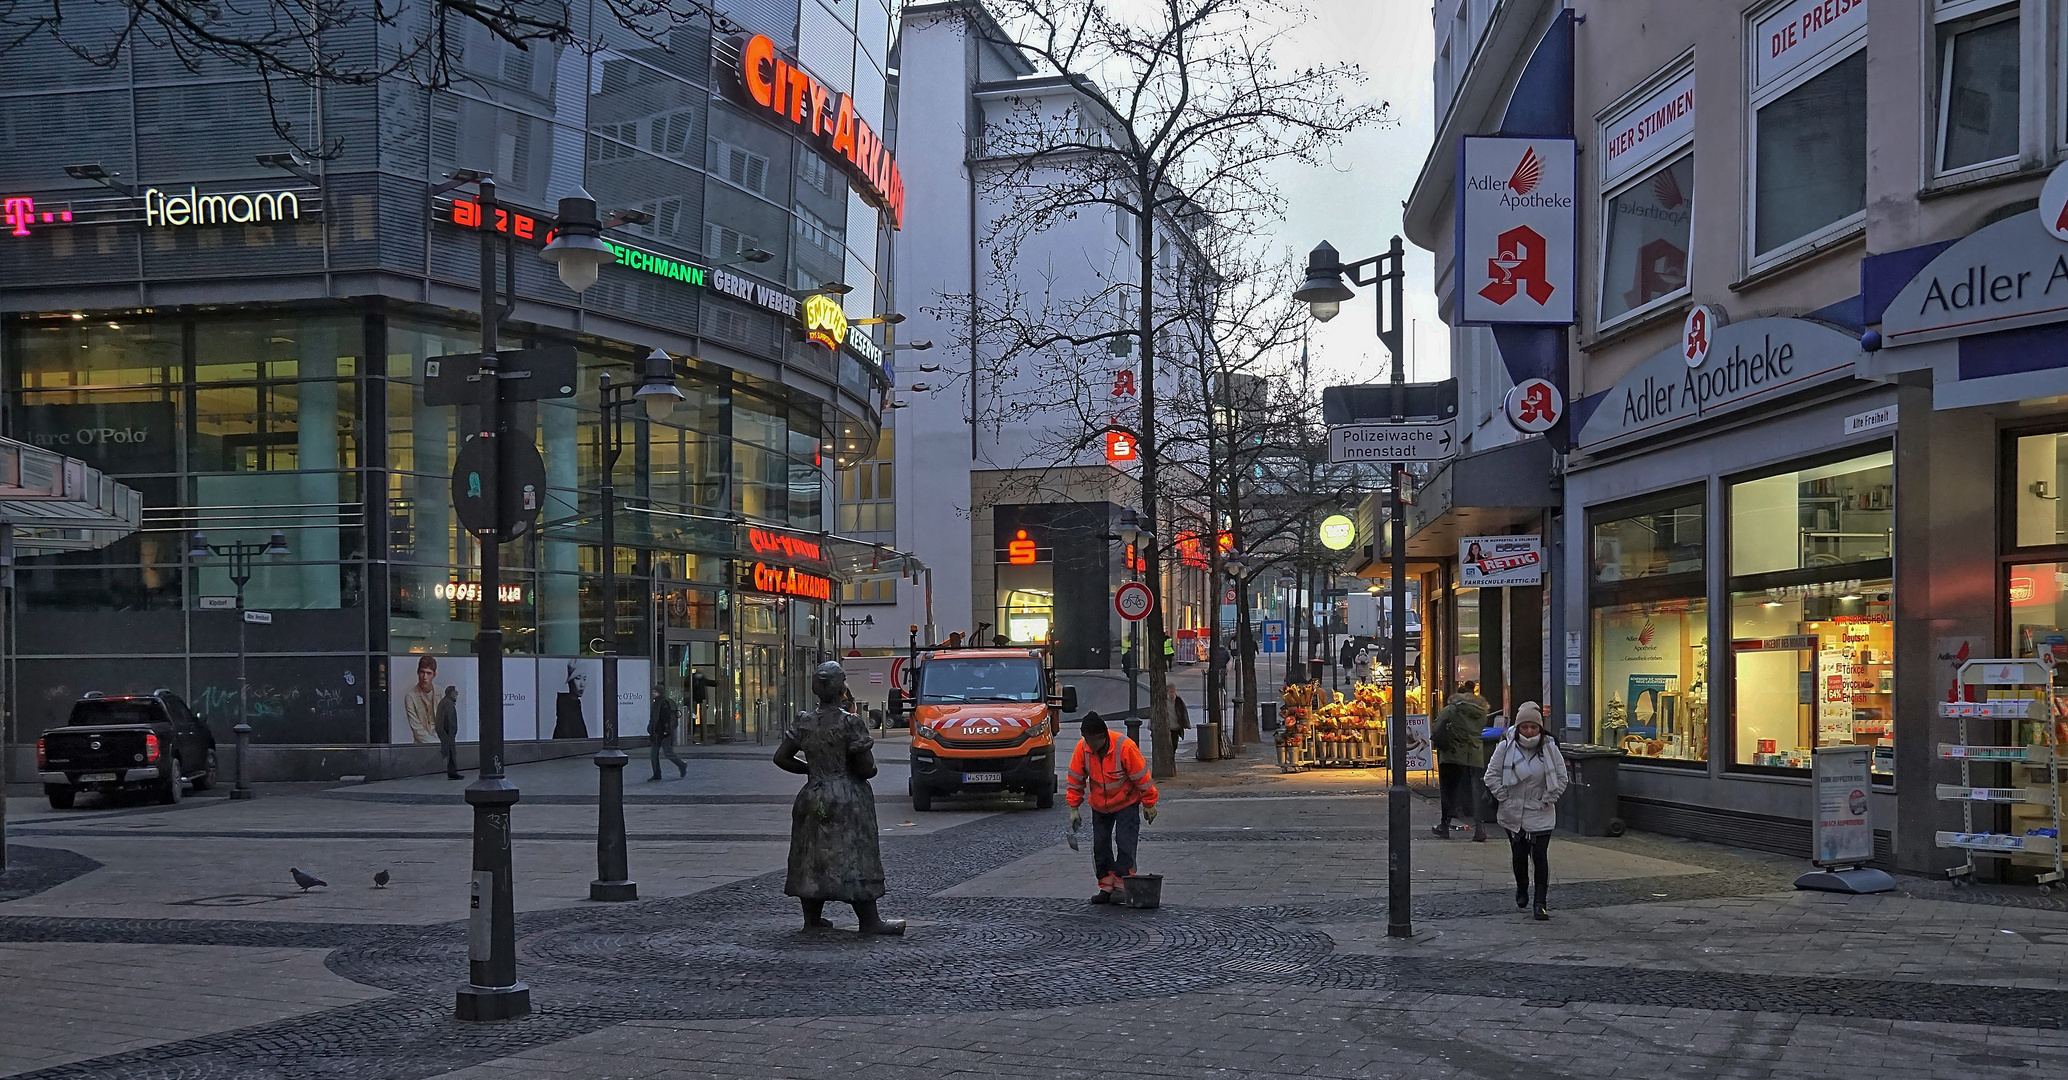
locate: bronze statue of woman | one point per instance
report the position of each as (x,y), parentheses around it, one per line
(833,847)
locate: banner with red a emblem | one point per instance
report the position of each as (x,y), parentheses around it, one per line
(1516,202)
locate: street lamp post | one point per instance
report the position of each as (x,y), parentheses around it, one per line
(854,631)
(1232,564)
(240,554)
(1132,535)
(1324,292)
(657,390)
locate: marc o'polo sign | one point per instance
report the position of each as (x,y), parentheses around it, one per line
(118,438)
(1746,363)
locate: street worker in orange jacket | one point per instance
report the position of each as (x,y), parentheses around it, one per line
(1113,775)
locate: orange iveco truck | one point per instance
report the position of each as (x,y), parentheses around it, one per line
(983,720)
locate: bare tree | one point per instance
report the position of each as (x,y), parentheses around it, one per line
(311,43)
(1175,111)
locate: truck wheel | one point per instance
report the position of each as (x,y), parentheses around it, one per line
(206,781)
(172,791)
(1046,799)
(61,795)
(922,799)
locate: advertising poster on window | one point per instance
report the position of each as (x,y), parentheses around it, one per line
(1834,696)
(1421,755)
(570,695)
(1652,704)
(417,687)
(1516,222)
(1843,834)
(1495,561)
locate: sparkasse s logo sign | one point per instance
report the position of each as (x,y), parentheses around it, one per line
(1515,261)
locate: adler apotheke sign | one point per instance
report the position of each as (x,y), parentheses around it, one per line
(1515,230)
(1744,363)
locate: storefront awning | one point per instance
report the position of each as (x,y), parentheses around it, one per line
(1486,493)
(58,503)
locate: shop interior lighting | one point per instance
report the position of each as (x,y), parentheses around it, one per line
(78,317)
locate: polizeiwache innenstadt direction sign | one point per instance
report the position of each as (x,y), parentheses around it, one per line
(1742,363)
(1406,441)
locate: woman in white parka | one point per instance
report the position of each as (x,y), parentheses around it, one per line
(1527,774)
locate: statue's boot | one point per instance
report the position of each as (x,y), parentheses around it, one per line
(874,923)
(815,915)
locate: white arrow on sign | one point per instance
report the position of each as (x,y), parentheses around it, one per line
(1406,441)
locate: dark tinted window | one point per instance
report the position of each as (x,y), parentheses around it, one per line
(117,712)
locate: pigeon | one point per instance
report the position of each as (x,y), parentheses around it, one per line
(380,880)
(306,881)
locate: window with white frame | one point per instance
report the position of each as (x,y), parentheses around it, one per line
(1645,151)
(1647,228)
(1809,124)
(1978,85)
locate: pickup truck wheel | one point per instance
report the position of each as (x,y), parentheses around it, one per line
(61,795)
(173,790)
(206,781)
(922,799)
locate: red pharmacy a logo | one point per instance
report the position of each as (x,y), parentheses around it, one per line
(1518,263)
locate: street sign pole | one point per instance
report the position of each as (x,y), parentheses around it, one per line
(1399,900)
(492,991)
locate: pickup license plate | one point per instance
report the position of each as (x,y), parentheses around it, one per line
(97,778)
(983,778)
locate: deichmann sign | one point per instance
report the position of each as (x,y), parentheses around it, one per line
(1494,561)
(1515,230)
(1746,363)
(796,98)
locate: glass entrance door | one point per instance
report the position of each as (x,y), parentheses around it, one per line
(762,705)
(686,660)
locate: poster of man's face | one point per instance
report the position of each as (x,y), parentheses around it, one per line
(413,705)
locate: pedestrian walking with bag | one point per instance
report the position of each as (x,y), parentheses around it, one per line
(1460,756)
(1528,774)
(1111,775)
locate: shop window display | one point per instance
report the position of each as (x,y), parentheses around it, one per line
(1652,542)
(1812,634)
(1651,689)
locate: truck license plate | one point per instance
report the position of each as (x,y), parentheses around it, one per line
(97,778)
(983,778)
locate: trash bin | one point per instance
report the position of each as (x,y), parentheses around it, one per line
(1269,718)
(1588,807)
(1209,741)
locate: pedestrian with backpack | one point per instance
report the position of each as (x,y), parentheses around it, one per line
(1528,774)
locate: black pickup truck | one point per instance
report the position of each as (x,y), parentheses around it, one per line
(145,742)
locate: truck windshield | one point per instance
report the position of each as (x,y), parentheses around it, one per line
(951,681)
(91,713)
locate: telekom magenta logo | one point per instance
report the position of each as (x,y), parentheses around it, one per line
(21,215)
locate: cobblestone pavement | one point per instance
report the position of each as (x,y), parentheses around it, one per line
(165,942)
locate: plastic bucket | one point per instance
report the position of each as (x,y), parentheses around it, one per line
(1142,890)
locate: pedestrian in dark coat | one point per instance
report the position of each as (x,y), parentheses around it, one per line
(661,730)
(1460,755)
(449,731)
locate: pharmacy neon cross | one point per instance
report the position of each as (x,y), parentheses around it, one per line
(21,215)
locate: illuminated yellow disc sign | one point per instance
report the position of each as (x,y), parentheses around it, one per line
(824,321)
(1338,532)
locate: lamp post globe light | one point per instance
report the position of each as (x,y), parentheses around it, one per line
(657,392)
(578,249)
(1324,292)
(240,553)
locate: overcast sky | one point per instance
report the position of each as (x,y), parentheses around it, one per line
(1356,206)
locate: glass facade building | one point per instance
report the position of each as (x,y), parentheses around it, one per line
(247,348)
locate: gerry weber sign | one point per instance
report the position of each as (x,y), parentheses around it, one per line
(1515,230)
(1746,363)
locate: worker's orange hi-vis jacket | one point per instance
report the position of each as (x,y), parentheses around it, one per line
(1116,779)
